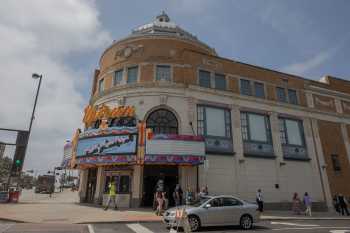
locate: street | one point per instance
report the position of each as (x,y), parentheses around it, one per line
(326,226)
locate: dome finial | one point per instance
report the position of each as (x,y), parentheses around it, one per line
(163,17)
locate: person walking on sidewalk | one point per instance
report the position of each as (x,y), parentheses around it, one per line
(160,203)
(342,204)
(336,203)
(177,195)
(260,201)
(307,202)
(296,204)
(112,193)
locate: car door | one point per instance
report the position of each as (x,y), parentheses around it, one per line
(213,213)
(231,211)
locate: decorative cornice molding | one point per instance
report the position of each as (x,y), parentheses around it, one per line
(329,103)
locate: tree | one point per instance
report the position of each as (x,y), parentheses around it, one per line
(5,167)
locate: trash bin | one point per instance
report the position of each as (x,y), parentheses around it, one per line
(4,196)
(14,196)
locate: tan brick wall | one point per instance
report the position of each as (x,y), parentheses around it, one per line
(147,73)
(187,58)
(178,74)
(333,143)
(233,84)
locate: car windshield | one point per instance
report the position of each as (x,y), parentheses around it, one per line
(200,201)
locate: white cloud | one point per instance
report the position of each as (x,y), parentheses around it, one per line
(303,67)
(38,36)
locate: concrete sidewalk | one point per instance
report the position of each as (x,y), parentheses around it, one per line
(288,215)
(72,213)
(64,208)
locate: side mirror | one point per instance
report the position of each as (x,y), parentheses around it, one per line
(207,206)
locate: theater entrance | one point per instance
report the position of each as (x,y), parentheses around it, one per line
(151,175)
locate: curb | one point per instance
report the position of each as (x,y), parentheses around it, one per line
(12,220)
(301,218)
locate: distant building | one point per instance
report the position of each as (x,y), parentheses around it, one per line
(165,106)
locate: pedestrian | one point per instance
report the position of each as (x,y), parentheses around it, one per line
(177,195)
(260,201)
(160,203)
(307,202)
(336,203)
(343,205)
(189,196)
(166,200)
(203,193)
(112,193)
(296,204)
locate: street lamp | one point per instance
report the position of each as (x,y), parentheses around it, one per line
(35,76)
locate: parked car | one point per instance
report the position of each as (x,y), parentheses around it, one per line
(45,184)
(216,211)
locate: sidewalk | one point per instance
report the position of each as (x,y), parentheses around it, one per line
(288,215)
(64,208)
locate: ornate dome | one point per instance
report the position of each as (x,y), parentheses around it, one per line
(162,25)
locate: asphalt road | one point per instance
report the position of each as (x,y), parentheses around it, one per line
(308,226)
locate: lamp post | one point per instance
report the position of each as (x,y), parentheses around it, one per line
(35,76)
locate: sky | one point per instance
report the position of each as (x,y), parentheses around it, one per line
(63,41)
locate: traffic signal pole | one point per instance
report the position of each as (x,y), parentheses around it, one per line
(23,139)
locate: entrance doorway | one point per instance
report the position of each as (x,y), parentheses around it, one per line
(91,185)
(151,175)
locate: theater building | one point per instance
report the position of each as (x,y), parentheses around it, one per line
(166,105)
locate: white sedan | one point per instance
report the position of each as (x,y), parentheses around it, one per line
(216,211)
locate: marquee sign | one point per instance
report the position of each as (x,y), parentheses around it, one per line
(175,149)
(107,145)
(103,112)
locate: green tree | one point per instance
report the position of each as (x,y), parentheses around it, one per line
(5,167)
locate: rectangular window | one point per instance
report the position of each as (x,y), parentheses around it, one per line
(213,121)
(101,85)
(220,82)
(204,78)
(281,94)
(336,163)
(217,128)
(132,74)
(163,73)
(118,77)
(292,96)
(255,127)
(259,90)
(292,132)
(246,88)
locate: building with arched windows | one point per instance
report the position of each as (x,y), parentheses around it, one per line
(165,106)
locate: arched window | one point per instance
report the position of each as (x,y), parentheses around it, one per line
(162,121)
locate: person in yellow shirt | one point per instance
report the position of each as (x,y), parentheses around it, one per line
(112,192)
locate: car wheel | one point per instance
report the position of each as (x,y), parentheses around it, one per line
(246,222)
(194,222)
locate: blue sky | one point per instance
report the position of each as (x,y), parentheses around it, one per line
(308,38)
(63,40)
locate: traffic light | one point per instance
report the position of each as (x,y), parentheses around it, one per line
(21,146)
(18,162)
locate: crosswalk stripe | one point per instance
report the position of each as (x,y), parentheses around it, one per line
(138,228)
(91,228)
(294,224)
